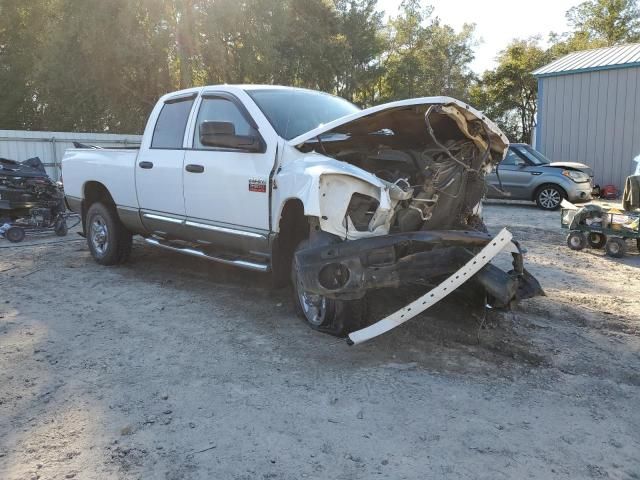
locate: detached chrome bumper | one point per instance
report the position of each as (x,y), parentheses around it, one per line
(347,270)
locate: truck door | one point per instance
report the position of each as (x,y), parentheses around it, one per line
(226,187)
(159,166)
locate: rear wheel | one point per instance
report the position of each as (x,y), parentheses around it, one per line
(576,240)
(109,241)
(596,240)
(616,247)
(549,197)
(335,317)
(15,234)
(60,228)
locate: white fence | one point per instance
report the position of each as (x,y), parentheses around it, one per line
(50,146)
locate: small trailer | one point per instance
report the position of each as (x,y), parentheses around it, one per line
(601,228)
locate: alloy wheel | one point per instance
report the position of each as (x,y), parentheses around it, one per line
(99,235)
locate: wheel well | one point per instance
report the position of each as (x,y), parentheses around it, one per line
(94,192)
(293,228)
(555,185)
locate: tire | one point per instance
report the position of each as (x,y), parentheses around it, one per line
(576,240)
(109,241)
(60,228)
(14,234)
(549,197)
(335,317)
(596,240)
(616,247)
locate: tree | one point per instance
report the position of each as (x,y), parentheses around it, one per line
(360,45)
(609,21)
(100,65)
(425,57)
(21,38)
(508,94)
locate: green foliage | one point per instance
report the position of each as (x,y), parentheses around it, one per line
(508,93)
(425,57)
(99,65)
(608,21)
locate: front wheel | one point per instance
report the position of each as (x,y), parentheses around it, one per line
(576,240)
(549,197)
(335,317)
(109,241)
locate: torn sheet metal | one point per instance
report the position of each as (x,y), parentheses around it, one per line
(499,243)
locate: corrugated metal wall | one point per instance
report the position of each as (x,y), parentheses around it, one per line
(50,146)
(593,118)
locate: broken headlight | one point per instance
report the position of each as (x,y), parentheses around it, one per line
(361,210)
(576,175)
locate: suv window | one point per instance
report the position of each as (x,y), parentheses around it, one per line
(511,158)
(171,124)
(220,110)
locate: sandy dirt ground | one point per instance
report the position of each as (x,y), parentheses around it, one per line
(170,367)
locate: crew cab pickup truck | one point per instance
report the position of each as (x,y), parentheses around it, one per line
(306,186)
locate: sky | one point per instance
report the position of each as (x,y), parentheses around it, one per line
(497,21)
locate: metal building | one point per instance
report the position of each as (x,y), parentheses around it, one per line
(589,111)
(50,146)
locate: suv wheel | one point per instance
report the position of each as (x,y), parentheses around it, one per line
(549,197)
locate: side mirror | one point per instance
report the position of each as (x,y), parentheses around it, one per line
(520,163)
(223,135)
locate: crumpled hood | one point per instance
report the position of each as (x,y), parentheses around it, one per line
(365,121)
(573,165)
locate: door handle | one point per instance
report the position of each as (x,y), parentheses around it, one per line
(146,165)
(194,168)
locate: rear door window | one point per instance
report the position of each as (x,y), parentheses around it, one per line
(171,124)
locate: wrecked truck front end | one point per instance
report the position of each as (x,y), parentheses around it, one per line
(348,270)
(397,191)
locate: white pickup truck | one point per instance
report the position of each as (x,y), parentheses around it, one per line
(306,186)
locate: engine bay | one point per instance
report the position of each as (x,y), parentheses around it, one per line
(432,158)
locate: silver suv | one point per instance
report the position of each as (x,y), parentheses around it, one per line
(526,174)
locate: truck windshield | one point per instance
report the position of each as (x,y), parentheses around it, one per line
(293,112)
(532,155)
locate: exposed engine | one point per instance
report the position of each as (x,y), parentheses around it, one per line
(433,161)
(27,193)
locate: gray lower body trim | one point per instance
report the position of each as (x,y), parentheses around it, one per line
(130,218)
(223,237)
(231,231)
(73,203)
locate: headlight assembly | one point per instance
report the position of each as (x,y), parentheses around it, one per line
(576,175)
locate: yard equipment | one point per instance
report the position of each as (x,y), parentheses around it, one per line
(597,228)
(30,201)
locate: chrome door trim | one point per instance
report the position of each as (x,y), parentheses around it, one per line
(153,216)
(231,231)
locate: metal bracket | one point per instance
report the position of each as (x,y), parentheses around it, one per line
(495,246)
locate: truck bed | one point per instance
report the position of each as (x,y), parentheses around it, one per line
(114,168)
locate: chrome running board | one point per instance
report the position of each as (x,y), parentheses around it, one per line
(259,267)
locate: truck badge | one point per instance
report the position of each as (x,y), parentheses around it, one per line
(257,185)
